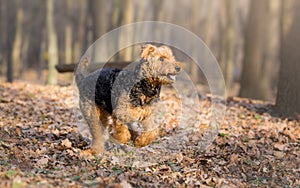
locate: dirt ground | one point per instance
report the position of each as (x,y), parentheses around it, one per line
(41,145)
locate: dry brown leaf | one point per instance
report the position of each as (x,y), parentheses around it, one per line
(280,146)
(66,143)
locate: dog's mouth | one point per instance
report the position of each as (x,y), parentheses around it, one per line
(171,77)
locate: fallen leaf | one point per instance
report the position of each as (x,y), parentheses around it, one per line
(66,143)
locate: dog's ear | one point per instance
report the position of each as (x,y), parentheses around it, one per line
(147,50)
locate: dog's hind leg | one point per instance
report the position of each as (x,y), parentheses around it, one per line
(92,117)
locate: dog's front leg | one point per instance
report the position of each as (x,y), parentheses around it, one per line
(146,135)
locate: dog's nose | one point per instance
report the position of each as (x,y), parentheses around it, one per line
(177,68)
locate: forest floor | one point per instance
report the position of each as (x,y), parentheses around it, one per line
(40,146)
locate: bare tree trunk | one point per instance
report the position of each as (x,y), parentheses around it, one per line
(69,36)
(52,44)
(11,20)
(157,6)
(222,39)
(208,23)
(230,40)
(288,95)
(24,52)
(16,52)
(271,39)
(99,18)
(140,16)
(89,29)
(68,33)
(168,16)
(126,54)
(208,33)
(208,29)
(117,7)
(79,35)
(42,54)
(99,26)
(3,35)
(251,85)
(116,12)
(35,34)
(196,6)
(227,38)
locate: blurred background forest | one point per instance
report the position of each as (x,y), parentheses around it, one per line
(247,37)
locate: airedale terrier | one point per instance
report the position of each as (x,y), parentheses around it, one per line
(123,100)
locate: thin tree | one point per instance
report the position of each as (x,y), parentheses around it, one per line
(79,35)
(196,6)
(227,39)
(208,30)
(99,15)
(52,43)
(10,30)
(288,95)
(3,25)
(251,85)
(117,7)
(128,17)
(68,32)
(16,51)
(271,45)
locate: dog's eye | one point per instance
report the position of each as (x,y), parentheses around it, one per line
(161,59)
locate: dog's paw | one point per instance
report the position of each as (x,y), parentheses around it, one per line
(121,133)
(145,138)
(136,127)
(97,150)
(97,146)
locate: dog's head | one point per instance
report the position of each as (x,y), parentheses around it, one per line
(159,63)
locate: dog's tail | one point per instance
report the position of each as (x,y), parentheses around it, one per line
(82,69)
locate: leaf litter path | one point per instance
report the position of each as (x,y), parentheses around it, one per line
(40,147)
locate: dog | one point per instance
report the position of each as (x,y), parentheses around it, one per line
(122,101)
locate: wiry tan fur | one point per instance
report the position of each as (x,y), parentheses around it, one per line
(123,101)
